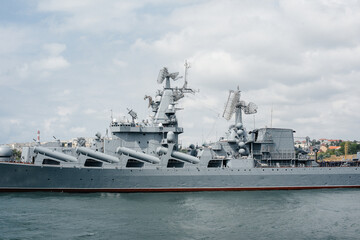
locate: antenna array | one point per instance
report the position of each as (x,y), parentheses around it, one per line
(164,73)
(234,101)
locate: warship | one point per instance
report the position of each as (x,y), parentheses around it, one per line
(145,156)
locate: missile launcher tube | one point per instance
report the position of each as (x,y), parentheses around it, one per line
(54,154)
(138,155)
(97,155)
(181,156)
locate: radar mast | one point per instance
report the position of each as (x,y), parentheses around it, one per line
(235,105)
(165,101)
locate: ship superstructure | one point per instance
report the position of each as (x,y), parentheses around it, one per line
(146,156)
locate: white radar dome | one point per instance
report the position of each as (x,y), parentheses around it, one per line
(170,137)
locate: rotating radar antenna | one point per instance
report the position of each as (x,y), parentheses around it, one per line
(250,108)
(132,114)
(233,102)
(164,74)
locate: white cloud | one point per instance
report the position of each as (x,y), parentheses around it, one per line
(12,38)
(208,120)
(301,57)
(65,111)
(23,70)
(78,130)
(54,49)
(67,92)
(15,121)
(90,111)
(91,16)
(49,124)
(44,65)
(51,63)
(120,63)
(219,65)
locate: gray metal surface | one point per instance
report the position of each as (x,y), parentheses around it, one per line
(21,176)
(146,156)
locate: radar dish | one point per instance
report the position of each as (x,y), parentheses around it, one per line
(132,114)
(232,102)
(162,75)
(174,76)
(251,108)
(81,142)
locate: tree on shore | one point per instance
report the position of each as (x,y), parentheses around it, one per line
(16,154)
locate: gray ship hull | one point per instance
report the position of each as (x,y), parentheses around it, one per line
(27,177)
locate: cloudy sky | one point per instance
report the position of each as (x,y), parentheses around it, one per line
(65,64)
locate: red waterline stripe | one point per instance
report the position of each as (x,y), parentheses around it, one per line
(130,190)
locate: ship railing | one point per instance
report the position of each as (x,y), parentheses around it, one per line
(283,155)
(278,155)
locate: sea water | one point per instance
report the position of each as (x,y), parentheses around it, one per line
(302,214)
